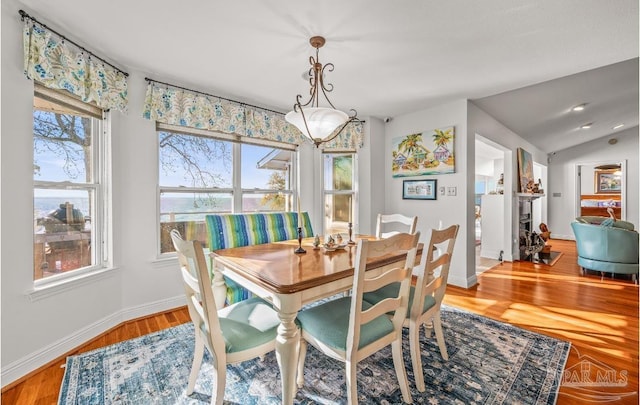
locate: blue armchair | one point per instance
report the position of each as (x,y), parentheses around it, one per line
(607,249)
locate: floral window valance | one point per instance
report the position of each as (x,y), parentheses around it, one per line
(58,64)
(177,106)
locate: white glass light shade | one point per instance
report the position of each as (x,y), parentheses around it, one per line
(320,120)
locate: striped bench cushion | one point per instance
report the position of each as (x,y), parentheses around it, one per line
(236,230)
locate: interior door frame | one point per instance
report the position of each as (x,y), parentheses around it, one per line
(623,188)
(508,171)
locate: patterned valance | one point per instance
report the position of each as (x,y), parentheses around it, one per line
(352,137)
(178,106)
(58,64)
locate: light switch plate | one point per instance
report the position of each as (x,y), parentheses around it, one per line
(441,189)
(451,191)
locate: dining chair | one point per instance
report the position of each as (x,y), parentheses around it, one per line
(429,290)
(233,334)
(394,219)
(349,329)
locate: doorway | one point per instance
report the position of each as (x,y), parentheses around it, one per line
(601,189)
(492,179)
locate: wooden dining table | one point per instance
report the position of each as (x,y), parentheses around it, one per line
(290,280)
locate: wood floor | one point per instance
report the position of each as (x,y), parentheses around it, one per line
(599,318)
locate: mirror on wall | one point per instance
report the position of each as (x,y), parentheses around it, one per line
(601,187)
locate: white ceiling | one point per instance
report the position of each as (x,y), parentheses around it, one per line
(542,113)
(390,58)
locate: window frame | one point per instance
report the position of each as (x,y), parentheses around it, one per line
(236,191)
(98,188)
(353,192)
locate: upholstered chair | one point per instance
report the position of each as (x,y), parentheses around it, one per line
(350,329)
(425,299)
(233,334)
(607,248)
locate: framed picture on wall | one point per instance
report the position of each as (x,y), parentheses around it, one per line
(419,189)
(525,171)
(424,153)
(607,182)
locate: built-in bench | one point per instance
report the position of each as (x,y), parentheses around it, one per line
(235,230)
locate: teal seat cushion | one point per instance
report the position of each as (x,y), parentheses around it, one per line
(329,323)
(391,290)
(248,324)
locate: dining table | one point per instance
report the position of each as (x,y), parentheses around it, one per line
(290,280)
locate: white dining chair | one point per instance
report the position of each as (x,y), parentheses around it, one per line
(350,329)
(425,299)
(398,221)
(233,334)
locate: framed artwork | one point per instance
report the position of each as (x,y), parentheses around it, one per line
(525,171)
(424,153)
(419,189)
(607,182)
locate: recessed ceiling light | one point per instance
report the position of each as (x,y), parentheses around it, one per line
(618,126)
(586,126)
(579,107)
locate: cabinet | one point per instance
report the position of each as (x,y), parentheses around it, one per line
(529,241)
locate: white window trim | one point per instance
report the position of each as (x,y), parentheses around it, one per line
(101,236)
(236,189)
(353,192)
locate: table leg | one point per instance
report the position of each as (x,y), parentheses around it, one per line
(219,287)
(287,354)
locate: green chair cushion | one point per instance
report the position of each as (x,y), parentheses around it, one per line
(248,324)
(391,290)
(329,323)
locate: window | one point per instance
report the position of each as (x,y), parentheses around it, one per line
(69,145)
(266,179)
(339,191)
(202,172)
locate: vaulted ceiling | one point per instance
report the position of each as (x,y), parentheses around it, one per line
(520,60)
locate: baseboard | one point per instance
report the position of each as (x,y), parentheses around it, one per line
(490,254)
(463,283)
(21,368)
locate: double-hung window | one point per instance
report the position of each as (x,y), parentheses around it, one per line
(70,142)
(204,172)
(339,174)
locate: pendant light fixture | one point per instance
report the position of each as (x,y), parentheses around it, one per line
(319,124)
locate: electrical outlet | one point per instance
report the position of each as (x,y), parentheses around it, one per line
(441,189)
(451,191)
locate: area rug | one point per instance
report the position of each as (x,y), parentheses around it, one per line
(489,363)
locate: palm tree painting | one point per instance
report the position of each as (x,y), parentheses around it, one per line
(424,153)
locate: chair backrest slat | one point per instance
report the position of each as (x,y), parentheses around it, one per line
(410,224)
(368,249)
(197,286)
(440,239)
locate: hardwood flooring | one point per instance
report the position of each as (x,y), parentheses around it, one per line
(599,318)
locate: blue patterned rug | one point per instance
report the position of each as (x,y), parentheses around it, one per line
(489,363)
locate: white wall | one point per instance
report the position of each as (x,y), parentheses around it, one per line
(587,182)
(371,189)
(485,168)
(562,190)
(448,210)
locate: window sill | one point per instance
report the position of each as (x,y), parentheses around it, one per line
(58,287)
